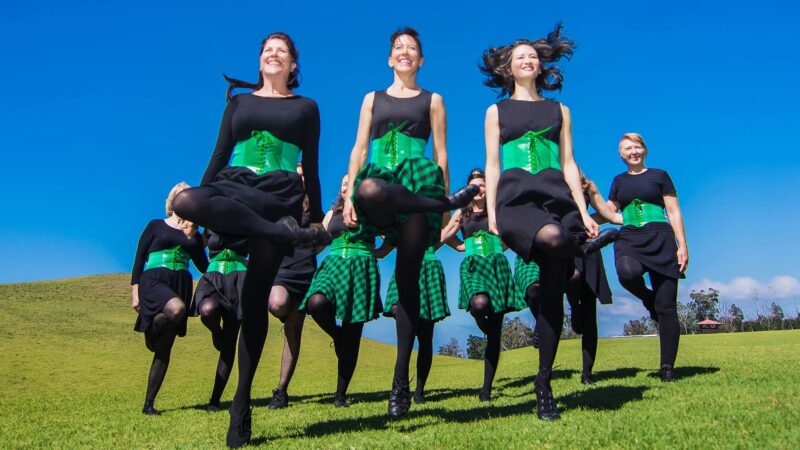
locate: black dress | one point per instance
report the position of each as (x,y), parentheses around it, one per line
(223,282)
(653,245)
(297,270)
(528,198)
(159,282)
(594,273)
(291,122)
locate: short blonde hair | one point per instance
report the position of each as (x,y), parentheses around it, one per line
(182,186)
(634,137)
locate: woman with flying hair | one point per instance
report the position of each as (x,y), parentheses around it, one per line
(400,193)
(251,188)
(162,287)
(652,240)
(536,205)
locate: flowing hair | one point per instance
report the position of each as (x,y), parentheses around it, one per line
(496,62)
(294,77)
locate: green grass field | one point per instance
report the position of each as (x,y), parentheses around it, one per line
(74,373)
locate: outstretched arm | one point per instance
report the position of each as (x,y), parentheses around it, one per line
(571,173)
(492,137)
(358,155)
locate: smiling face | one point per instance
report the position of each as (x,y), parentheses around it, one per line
(276,59)
(632,152)
(405,56)
(525,63)
(482,194)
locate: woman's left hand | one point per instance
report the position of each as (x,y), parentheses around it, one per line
(592,229)
(683,259)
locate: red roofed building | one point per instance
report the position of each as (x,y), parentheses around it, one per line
(709,326)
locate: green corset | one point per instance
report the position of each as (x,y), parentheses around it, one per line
(639,213)
(531,152)
(227,261)
(174,258)
(391,149)
(263,153)
(483,243)
(342,246)
(430,254)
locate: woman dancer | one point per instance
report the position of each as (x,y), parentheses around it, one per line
(217,302)
(288,290)
(537,204)
(161,287)
(647,243)
(346,287)
(400,194)
(487,290)
(432,308)
(258,194)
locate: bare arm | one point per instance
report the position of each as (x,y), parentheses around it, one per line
(571,173)
(676,220)
(450,233)
(492,137)
(357,157)
(439,131)
(603,210)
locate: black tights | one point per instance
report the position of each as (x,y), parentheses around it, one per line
(214,317)
(163,330)
(491,324)
(204,205)
(663,297)
(424,351)
(346,338)
(583,306)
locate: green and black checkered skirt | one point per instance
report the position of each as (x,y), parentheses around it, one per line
(352,285)
(419,175)
(490,275)
(432,293)
(525,274)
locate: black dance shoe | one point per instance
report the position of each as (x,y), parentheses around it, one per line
(310,237)
(463,196)
(340,401)
(586,379)
(419,397)
(399,399)
(667,374)
(545,403)
(605,237)
(240,429)
(149,410)
(280,399)
(213,406)
(484,396)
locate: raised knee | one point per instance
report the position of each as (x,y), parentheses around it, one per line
(175,309)
(280,308)
(207,308)
(317,304)
(369,190)
(480,304)
(182,203)
(554,241)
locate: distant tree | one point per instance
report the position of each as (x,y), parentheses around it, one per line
(650,325)
(452,349)
(776,316)
(476,347)
(640,327)
(706,304)
(566,330)
(687,313)
(516,333)
(737,317)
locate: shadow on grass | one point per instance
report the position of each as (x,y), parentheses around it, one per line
(688,371)
(622,372)
(509,383)
(604,398)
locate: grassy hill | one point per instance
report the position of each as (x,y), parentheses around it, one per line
(73,373)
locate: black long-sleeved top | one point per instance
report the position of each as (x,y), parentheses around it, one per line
(157,235)
(290,119)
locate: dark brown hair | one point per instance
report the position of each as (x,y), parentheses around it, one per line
(338,204)
(294,77)
(407,31)
(496,62)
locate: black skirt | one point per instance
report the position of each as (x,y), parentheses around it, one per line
(594,274)
(654,248)
(296,273)
(157,287)
(272,195)
(226,290)
(526,202)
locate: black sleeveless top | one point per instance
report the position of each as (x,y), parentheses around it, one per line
(388,112)
(517,117)
(336,225)
(474,222)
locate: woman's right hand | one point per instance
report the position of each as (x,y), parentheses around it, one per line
(349,213)
(135,297)
(493,227)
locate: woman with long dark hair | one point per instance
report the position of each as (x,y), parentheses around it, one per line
(401,194)
(162,287)
(251,188)
(537,205)
(487,289)
(652,240)
(346,287)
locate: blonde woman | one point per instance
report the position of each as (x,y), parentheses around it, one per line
(162,287)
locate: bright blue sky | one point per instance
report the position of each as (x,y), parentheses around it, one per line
(107,104)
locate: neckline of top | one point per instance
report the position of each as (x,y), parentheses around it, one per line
(385,91)
(273,98)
